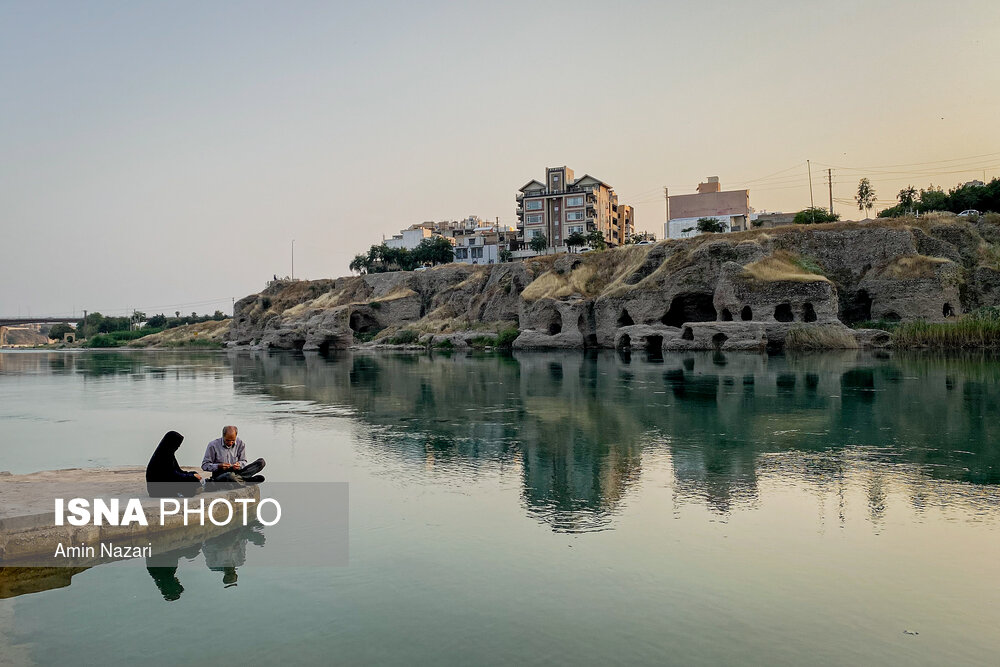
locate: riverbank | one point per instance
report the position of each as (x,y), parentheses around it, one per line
(744,291)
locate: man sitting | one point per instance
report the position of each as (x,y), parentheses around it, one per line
(226,459)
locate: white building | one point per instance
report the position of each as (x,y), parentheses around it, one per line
(410,238)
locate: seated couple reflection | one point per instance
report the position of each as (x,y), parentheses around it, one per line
(223,553)
(225,458)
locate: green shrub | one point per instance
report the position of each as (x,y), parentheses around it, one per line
(103,340)
(815,215)
(375,304)
(505,339)
(404,337)
(884,325)
(445,344)
(480,342)
(366,337)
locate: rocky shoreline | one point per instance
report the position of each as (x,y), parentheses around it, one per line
(757,290)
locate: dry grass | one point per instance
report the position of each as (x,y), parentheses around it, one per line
(190,334)
(914,266)
(819,337)
(782,265)
(557,286)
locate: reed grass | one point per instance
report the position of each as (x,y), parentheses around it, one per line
(819,337)
(978,329)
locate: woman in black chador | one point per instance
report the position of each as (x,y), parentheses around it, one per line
(164,477)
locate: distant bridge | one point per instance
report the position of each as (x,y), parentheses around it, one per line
(14,321)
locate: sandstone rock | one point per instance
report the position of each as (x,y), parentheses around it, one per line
(747,287)
(720,336)
(913,287)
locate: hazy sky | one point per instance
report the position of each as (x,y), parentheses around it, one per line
(163,156)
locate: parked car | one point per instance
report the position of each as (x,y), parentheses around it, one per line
(969,213)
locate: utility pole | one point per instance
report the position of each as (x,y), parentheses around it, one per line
(812,204)
(666,200)
(829,178)
(293,259)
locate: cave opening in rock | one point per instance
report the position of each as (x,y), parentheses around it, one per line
(947,310)
(808,312)
(363,323)
(654,348)
(726,315)
(783,312)
(718,339)
(625,342)
(625,320)
(746,314)
(892,316)
(858,308)
(688,334)
(691,307)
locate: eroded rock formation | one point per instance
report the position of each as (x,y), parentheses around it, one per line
(743,291)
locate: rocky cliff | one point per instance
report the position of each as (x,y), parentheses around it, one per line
(747,290)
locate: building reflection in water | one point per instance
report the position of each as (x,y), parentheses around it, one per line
(582,429)
(580,426)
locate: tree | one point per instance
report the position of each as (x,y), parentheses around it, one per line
(506,255)
(907,196)
(576,240)
(59,330)
(538,243)
(865,196)
(435,250)
(596,240)
(360,264)
(711,226)
(808,216)
(157,321)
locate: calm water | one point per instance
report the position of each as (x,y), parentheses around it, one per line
(546,508)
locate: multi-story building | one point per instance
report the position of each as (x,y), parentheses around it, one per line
(731,207)
(476,241)
(563,205)
(480,242)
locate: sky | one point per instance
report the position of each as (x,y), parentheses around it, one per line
(164,156)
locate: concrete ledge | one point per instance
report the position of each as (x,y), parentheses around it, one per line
(27,513)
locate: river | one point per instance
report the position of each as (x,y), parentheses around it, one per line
(695,509)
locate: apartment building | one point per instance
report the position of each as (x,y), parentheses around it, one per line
(476,241)
(731,207)
(563,204)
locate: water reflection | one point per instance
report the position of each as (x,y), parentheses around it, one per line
(223,553)
(583,430)
(580,427)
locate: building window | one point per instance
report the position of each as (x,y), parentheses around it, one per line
(534,232)
(574,201)
(533,205)
(576,230)
(477,253)
(574,215)
(533,217)
(460,253)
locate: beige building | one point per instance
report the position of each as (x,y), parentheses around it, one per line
(563,205)
(732,207)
